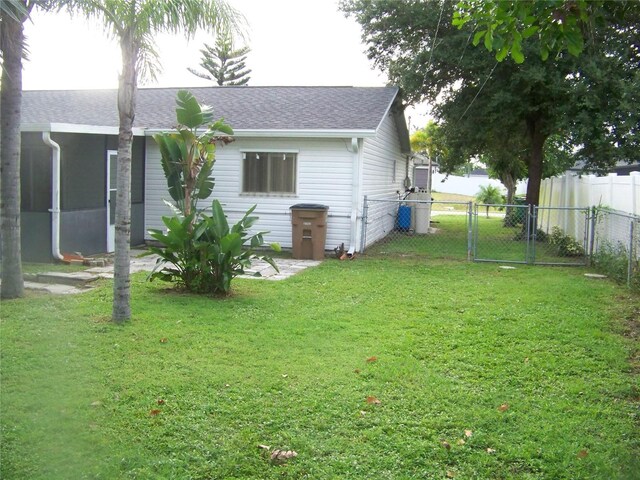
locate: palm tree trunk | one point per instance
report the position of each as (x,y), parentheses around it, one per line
(12,42)
(127,92)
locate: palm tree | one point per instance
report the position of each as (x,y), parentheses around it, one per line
(13,13)
(489,195)
(133,23)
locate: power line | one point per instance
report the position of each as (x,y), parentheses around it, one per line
(433,44)
(478,93)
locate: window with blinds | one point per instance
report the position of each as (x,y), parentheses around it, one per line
(269,172)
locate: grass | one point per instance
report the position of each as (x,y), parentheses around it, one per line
(534,362)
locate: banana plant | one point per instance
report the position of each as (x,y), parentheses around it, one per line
(187,156)
(199,251)
(205,255)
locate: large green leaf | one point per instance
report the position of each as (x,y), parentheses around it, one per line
(231,244)
(170,159)
(220,225)
(221,127)
(190,113)
(204,182)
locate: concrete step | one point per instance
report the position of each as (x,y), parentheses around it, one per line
(75,279)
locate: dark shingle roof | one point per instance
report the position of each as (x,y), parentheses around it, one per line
(244,108)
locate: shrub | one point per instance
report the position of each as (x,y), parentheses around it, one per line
(565,245)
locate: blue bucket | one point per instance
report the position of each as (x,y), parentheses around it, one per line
(403,222)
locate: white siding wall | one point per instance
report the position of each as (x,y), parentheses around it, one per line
(324,176)
(383,174)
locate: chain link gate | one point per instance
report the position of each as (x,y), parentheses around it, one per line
(532,235)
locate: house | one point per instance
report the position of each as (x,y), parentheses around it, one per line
(325,145)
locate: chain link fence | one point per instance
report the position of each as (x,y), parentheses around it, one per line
(416,227)
(615,245)
(501,237)
(561,236)
(608,239)
(540,235)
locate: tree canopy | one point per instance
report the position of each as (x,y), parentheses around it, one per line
(503,25)
(506,110)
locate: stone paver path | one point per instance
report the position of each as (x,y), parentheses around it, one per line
(63,283)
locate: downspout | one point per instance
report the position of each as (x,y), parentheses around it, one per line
(355,197)
(55,196)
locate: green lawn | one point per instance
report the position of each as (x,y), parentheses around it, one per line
(533,363)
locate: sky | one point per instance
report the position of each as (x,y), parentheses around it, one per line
(293,42)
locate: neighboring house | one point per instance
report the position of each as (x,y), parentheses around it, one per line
(326,145)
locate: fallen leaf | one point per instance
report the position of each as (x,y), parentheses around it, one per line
(446,444)
(583,453)
(373,400)
(491,450)
(468,433)
(164,340)
(160,401)
(504,407)
(281,456)
(450,474)
(154,412)
(461,442)
(97,403)
(357,370)
(372,359)
(264,447)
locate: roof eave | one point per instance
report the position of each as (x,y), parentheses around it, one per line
(286,133)
(76,128)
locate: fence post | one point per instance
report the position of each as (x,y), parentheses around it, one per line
(532,223)
(365,212)
(592,234)
(469,230)
(630,267)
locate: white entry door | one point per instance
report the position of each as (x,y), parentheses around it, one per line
(112,162)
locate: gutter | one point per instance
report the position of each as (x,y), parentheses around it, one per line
(55,196)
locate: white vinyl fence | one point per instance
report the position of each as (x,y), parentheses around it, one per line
(614,192)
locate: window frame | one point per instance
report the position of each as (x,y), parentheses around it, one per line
(284,151)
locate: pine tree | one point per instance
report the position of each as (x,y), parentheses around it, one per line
(223,64)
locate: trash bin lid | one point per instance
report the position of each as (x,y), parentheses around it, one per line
(309,206)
